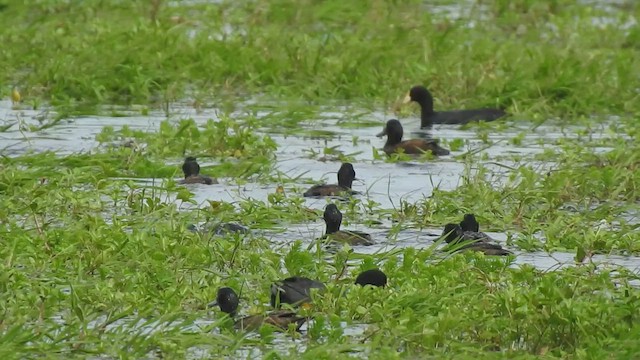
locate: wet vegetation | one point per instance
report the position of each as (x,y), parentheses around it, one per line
(99,256)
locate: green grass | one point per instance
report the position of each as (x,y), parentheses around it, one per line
(92,260)
(536,59)
(94,256)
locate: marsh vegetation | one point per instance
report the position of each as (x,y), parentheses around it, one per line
(102,102)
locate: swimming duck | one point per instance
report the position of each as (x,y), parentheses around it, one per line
(471,241)
(294,290)
(373,277)
(346,175)
(333,219)
(393,130)
(428,116)
(191,170)
(228,301)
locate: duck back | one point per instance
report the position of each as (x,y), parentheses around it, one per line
(461,117)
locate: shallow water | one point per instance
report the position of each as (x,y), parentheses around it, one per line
(384,183)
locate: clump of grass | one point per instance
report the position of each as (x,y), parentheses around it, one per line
(224,138)
(359,51)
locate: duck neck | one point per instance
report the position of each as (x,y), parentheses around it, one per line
(345,181)
(333,227)
(190,169)
(469,224)
(426,112)
(393,139)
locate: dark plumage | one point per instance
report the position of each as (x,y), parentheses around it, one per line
(227,300)
(295,290)
(393,130)
(428,116)
(460,240)
(191,170)
(333,220)
(190,167)
(374,277)
(469,223)
(346,175)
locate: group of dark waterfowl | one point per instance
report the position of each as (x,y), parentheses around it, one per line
(465,236)
(428,117)
(294,291)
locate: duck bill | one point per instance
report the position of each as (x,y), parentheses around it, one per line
(383,133)
(212,304)
(407,99)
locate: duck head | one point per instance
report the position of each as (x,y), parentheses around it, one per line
(227,300)
(190,167)
(393,131)
(346,175)
(469,223)
(422,96)
(332,218)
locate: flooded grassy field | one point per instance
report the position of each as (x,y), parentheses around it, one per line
(107,254)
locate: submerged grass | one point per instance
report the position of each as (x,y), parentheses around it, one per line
(97,264)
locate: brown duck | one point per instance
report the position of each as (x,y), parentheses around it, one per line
(346,175)
(228,301)
(191,170)
(333,220)
(393,130)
